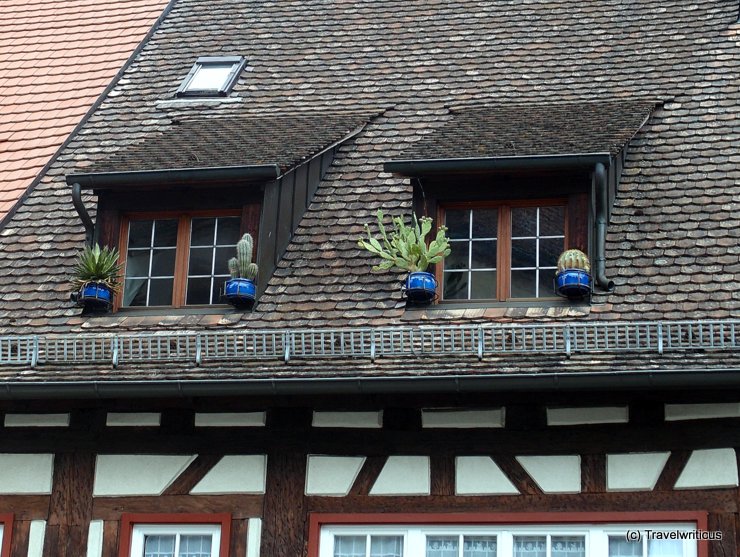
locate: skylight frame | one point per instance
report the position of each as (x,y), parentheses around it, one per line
(237,65)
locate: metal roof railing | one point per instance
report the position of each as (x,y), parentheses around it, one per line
(371,343)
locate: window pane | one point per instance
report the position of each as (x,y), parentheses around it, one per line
(523,222)
(459,255)
(140,233)
(458,223)
(137,263)
(479,546)
(163,263)
(195,546)
(665,548)
(620,547)
(211,76)
(199,291)
(221,266)
(485,223)
(550,250)
(545,283)
(218,288)
(568,546)
(484,254)
(523,284)
(203,232)
(165,233)
(134,292)
(439,546)
(349,546)
(201,261)
(552,221)
(160,292)
(456,285)
(483,285)
(523,253)
(386,546)
(159,546)
(530,546)
(228,231)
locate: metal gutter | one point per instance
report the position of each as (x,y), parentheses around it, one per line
(602,209)
(418,167)
(551,382)
(87,221)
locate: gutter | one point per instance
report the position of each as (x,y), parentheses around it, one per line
(549,382)
(602,209)
(417,167)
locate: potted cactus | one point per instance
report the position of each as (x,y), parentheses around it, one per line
(96,278)
(573,278)
(405,247)
(241,290)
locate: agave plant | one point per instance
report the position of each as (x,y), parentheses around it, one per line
(404,246)
(96,264)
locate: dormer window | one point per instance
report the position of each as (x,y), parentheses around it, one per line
(212,76)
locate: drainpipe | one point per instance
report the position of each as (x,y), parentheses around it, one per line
(602,209)
(84,215)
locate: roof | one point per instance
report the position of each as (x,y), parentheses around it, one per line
(425,71)
(56,58)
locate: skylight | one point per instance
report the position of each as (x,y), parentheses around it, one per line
(211,76)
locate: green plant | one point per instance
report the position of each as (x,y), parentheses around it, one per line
(241,266)
(404,246)
(573,259)
(96,264)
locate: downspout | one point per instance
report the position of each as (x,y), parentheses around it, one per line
(602,209)
(84,215)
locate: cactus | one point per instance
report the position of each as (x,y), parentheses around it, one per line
(573,259)
(241,266)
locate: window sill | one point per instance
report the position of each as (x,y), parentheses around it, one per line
(552,309)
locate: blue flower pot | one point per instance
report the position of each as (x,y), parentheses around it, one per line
(95,296)
(240,292)
(573,284)
(420,287)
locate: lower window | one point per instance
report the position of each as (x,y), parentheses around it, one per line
(175,536)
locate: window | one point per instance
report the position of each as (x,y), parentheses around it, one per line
(177,259)
(502,250)
(175,535)
(212,76)
(6,527)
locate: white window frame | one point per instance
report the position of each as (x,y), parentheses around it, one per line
(414,536)
(140,531)
(237,64)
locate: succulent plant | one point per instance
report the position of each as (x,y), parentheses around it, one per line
(573,259)
(405,246)
(241,266)
(96,264)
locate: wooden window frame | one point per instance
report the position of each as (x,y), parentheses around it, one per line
(6,521)
(503,243)
(130,520)
(319,520)
(182,247)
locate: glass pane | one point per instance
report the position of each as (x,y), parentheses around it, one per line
(523,221)
(140,233)
(620,547)
(523,253)
(199,291)
(386,546)
(479,546)
(137,263)
(349,546)
(195,546)
(458,223)
(483,285)
(201,261)
(218,288)
(202,232)
(455,286)
(552,221)
(485,223)
(550,250)
(568,546)
(221,266)
(160,292)
(163,263)
(665,548)
(165,233)
(159,546)
(228,231)
(523,284)
(458,258)
(546,288)
(439,546)
(484,254)
(211,76)
(530,546)
(134,292)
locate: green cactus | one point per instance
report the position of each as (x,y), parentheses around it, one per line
(241,266)
(573,259)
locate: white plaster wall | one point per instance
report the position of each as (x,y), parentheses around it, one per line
(332,475)
(554,474)
(438,418)
(118,475)
(590,415)
(95,539)
(677,412)
(709,468)
(36,420)
(229,419)
(36,538)
(26,473)
(635,471)
(403,475)
(480,475)
(133,419)
(235,474)
(370,420)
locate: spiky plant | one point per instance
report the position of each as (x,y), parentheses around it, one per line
(574,259)
(405,246)
(241,266)
(96,264)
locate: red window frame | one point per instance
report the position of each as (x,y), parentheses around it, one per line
(130,520)
(6,520)
(318,520)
